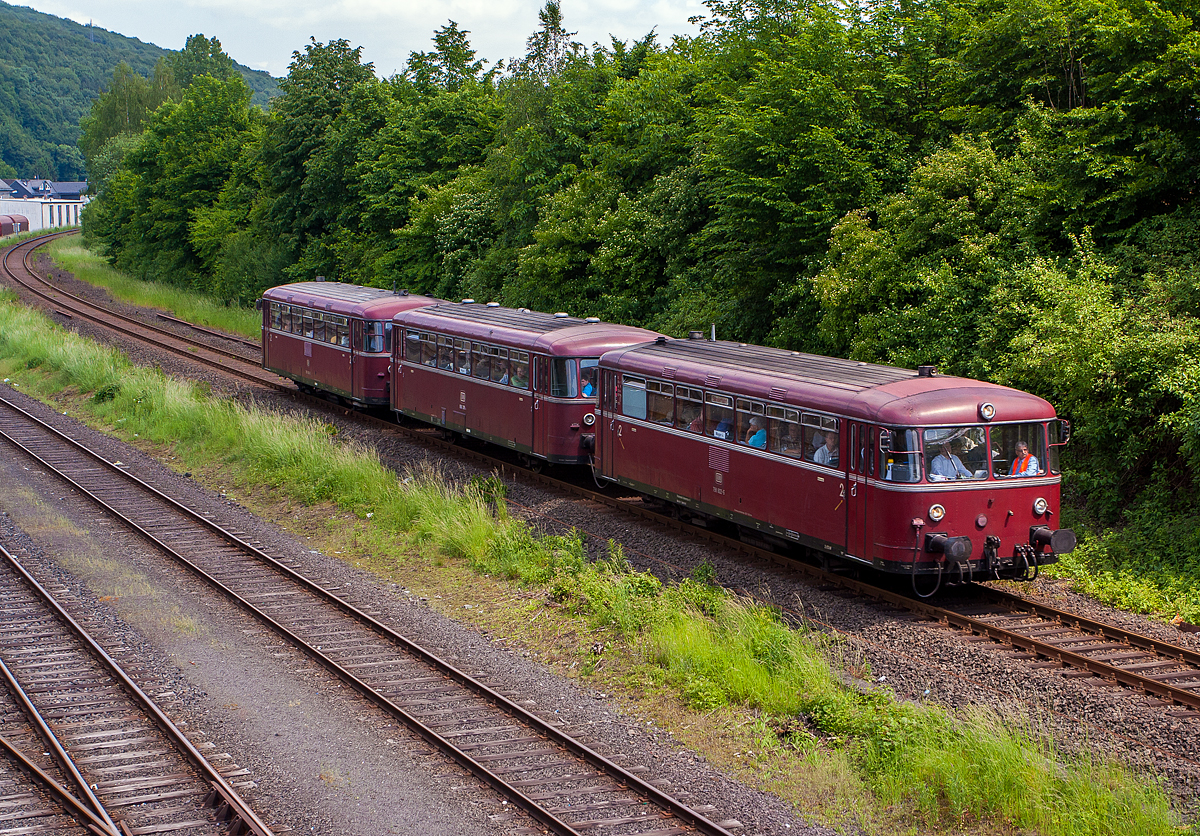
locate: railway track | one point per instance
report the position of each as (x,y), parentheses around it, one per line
(1039,634)
(564,785)
(86,737)
(245,364)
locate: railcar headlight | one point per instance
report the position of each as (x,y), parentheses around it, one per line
(987,411)
(590,418)
(1040,505)
(936,513)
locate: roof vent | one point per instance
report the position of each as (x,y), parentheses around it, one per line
(741,345)
(561,315)
(695,335)
(926,371)
(468,301)
(660,341)
(320,278)
(592,319)
(524,310)
(493,304)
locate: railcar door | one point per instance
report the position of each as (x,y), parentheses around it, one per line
(858,460)
(541,386)
(356,345)
(606,426)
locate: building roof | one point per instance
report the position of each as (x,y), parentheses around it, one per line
(47,189)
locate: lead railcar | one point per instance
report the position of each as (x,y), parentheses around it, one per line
(514,377)
(906,471)
(333,337)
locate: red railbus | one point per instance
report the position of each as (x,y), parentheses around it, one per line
(333,338)
(517,378)
(907,471)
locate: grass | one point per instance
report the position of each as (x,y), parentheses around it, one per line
(708,652)
(71,255)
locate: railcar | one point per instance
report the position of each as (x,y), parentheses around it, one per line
(907,471)
(13,224)
(333,338)
(514,377)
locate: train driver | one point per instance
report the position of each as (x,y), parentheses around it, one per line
(1024,464)
(589,382)
(946,465)
(827,454)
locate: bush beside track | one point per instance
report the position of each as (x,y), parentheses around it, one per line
(919,763)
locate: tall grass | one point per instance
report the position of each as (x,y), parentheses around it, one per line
(71,255)
(939,768)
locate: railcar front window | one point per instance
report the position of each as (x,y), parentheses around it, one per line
(373,339)
(564,378)
(1018,450)
(956,453)
(900,455)
(589,380)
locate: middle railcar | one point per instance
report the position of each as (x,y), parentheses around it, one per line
(517,378)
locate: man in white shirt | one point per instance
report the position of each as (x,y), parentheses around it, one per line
(946,465)
(827,453)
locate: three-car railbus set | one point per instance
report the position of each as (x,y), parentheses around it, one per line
(907,471)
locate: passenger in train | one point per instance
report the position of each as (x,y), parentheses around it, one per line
(520,375)
(827,454)
(1024,464)
(691,417)
(946,465)
(756,434)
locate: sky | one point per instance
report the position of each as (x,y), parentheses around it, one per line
(262,34)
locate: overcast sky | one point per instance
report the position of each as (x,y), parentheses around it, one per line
(263,33)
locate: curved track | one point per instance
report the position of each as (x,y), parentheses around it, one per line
(1044,636)
(564,785)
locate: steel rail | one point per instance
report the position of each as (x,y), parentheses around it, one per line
(141,331)
(651,793)
(78,810)
(156,714)
(57,751)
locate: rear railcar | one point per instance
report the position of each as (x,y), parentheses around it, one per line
(906,471)
(517,378)
(333,338)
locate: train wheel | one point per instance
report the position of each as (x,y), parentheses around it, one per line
(533,463)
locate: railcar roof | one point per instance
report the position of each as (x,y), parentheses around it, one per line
(868,391)
(563,335)
(350,299)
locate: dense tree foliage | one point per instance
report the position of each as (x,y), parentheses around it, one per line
(1003,188)
(52,69)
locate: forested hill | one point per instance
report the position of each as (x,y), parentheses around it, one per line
(50,71)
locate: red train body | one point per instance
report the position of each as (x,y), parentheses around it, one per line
(514,377)
(909,472)
(333,337)
(906,471)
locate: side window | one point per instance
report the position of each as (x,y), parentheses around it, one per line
(462,356)
(752,424)
(286,317)
(518,363)
(690,414)
(821,440)
(276,316)
(660,402)
(445,349)
(500,370)
(784,433)
(588,380)
(719,416)
(428,349)
(318,332)
(481,364)
(344,334)
(633,397)
(563,380)
(412,346)
(899,455)
(308,324)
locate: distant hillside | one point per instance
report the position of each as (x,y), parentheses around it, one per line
(50,71)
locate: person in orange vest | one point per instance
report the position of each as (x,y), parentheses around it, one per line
(1024,464)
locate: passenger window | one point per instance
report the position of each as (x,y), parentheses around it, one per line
(499,364)
(481,364)
(518,363)
(308,325)
(660,402)
(783,433)
(719,416)
(821,441)
(412,346)
(344,334)
(752,424)
(690,414)
(445,349)
(633,397)
(276,316)
(462,356)
(428,350)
